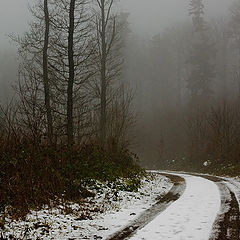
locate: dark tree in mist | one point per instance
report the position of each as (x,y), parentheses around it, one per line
(45,73)
(103,23)
(109,60)
(201,57)
(71,57)
(235,28)
(196,10)
(71,73)
(54,56)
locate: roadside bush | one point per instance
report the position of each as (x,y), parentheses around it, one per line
(33,176)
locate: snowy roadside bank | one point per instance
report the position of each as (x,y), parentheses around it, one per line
(97,218)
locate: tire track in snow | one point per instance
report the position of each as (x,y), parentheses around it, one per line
(227,224)
(190,217)
(147,216)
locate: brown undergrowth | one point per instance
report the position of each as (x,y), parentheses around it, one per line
(34,175)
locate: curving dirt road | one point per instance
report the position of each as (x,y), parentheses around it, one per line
(163,202)
(199,207)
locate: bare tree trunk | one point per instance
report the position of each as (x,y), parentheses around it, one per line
(71,74)
(224,65)
(108,45)
(103,74)
(45,74)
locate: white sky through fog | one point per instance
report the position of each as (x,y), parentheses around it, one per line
(147,17)
(152,16)
(14,16)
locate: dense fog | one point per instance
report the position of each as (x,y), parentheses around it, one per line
(161,51)
(146,17)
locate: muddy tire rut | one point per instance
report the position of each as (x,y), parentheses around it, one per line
(162,203)
(227,224)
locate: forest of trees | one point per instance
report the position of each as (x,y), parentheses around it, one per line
(69,86)
(68,121)
(187,92)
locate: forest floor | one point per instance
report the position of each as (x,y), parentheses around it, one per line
(168,206)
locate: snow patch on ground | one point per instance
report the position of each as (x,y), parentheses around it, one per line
(109,213)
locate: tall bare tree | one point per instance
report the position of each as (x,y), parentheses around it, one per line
(235,27)
(54,57)
(102,30)
(33,85)
(109,64)
(202,55)
(71,73)
(45,73)
(71,52)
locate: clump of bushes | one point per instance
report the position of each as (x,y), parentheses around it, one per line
(33,176)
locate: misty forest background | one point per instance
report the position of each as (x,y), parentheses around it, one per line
(183,85)
(88,92)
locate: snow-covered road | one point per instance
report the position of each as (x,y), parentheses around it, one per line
(190,217)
